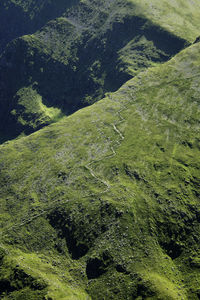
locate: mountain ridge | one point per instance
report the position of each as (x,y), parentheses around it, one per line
(115,190)
(72,61)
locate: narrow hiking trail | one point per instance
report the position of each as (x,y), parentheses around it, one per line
(114,145)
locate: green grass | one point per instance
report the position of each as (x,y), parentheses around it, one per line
(180,17)
(41,272)
(31,112)
(114,187)
(71,54)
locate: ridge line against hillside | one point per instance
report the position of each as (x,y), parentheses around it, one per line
(87,166)
(92,172)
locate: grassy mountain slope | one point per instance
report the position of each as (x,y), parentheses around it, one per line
(25,17)
(178,16)
(109,195)
(19,17)
(83,50)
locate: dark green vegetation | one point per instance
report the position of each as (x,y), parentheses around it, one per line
(19,17)
(102,204)
(91,48)
(110,194)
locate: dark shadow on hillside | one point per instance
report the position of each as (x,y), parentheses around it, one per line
(98,266)
(23,22)
(66,228)
(77,84)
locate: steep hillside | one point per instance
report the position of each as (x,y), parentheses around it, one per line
(19,17)
(105,203)
(80,51)
(178,16)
